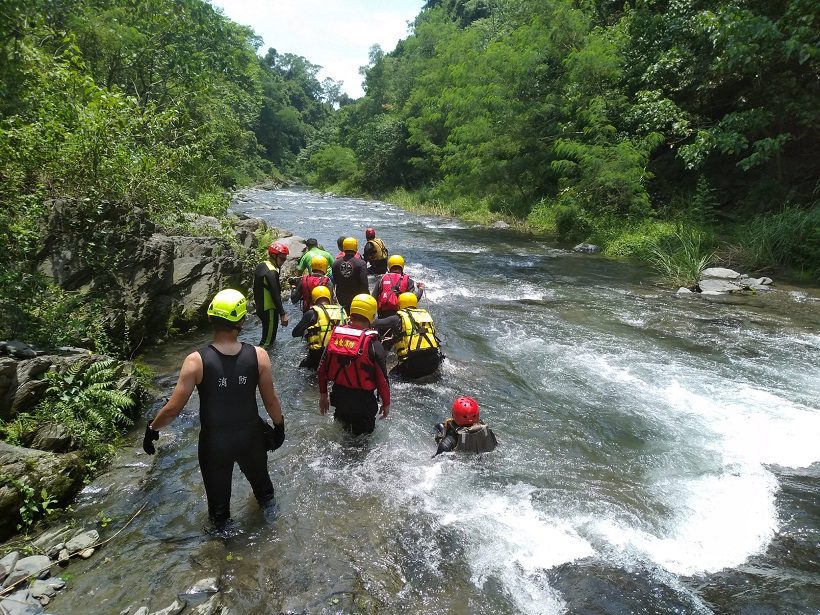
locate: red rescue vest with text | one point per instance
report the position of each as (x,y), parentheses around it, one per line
(393,284)
(348,358)
(309,282)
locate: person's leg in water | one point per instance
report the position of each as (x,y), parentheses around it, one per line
(270,325)
(356,409)
(253,462)
(217,472)
(311,361)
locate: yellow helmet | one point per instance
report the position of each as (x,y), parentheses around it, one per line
(364,305)
(318,292)
(407,300)
(229,304)
(350,244)
(319,263)
(395,261)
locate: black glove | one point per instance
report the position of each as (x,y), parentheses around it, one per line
(274,436)
(151,435)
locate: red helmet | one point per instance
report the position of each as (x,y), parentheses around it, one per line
(278,248)
(465,411)
(369,233)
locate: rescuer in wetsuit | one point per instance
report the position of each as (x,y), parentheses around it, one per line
(349,274)
(267,293)
(464,431)
(227,374)
(302,291)
(392,284)
(375,253)
(317,324)
(354,361)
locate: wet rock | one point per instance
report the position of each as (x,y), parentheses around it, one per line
(53,437)
(86,553)
(211,607)
(684,291)
(18,350)
(143,610)
(7,564)
(719,273)
(38,566)
(52,536)
(60,474)
(174,608)
(40,588)
(63,557)
(209,585)
(20,603)
(761,287)
(717,286)
(587,248)
(82,541)
(500,224)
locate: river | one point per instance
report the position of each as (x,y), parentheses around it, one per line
(658,453)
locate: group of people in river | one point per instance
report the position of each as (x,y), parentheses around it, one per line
(348,329)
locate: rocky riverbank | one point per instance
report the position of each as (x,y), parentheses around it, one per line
(164,287)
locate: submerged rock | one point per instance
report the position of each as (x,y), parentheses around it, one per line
(587,248)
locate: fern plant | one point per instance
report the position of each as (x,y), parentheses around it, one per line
(85,399)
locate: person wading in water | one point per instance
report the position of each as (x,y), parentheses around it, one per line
(227,374)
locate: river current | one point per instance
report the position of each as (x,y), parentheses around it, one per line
(658,453)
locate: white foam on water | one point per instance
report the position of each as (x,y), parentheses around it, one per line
(509,539)
(721,521)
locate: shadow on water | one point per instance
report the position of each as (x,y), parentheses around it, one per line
(657,453)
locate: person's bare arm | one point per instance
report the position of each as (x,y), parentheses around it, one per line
(266,388)
(189,376)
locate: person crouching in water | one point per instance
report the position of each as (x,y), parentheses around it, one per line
(227,374)
(317,324)
(355,362)
(392,284)
(414,338)
(464,431)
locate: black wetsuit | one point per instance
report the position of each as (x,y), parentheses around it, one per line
(350,277)
(230,428)
(313,357)
(267,280)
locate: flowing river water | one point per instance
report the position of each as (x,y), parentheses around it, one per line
(658,453)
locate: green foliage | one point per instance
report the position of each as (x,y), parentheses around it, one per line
(789,237)
(681,258)
(86,399)
(333,164)
(34,505)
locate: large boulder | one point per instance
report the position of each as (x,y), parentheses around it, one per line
(719,273)
(60,476)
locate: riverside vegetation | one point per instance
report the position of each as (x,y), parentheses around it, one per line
(675,132)
(120,119)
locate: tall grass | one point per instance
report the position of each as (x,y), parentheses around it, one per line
(681,258)
(789,238)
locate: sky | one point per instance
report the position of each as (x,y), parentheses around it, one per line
(335,34)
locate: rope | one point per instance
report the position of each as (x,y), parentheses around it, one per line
(8,590)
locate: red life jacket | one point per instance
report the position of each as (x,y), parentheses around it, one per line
(393,284)
(309,282)
(348,358)
(341,254)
